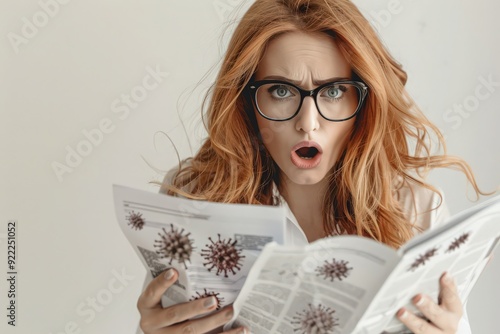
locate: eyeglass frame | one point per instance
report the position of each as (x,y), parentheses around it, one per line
(362,87)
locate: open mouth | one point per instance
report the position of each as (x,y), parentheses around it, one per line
(307,152)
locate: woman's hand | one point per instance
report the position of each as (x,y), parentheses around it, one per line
(443,317)
(176,319)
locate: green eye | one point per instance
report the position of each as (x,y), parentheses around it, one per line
(333,92)
(280,91)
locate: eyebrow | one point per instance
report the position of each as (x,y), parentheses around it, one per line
(297,83)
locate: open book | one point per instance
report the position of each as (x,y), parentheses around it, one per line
(340,284)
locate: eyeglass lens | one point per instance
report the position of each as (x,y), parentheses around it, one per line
(282,101)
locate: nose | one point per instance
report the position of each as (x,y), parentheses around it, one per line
(308,118)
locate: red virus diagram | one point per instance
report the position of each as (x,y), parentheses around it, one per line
(219,299)
(455,244)
(223,256)
(334,270)
(175,245)
(422,259)
(315,320)
(135,220)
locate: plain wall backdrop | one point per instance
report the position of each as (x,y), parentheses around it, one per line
(129,69)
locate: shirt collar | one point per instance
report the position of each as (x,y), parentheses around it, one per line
(297,235)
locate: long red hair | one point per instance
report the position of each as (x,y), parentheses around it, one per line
(232,165)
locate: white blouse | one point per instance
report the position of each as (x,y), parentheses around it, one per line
(421,208)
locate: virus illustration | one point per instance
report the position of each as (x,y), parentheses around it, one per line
(458,242)
(219,300)
(334,270)
(135,220)
(423,258)
(174,245)
(222,255)
(315,320)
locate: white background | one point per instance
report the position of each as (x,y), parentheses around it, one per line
(63,79)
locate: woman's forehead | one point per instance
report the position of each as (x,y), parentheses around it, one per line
(303,56)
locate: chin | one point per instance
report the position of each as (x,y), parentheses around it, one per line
(307,178)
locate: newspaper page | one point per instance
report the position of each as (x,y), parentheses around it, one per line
(323,287)
(350,284)
(211,245)
(461,247)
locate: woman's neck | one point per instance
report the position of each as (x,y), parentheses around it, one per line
(306,203)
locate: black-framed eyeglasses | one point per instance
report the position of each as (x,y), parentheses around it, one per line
(336,101)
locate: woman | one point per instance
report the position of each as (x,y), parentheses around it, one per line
(309,111)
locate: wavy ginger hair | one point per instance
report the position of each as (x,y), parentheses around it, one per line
(233,167)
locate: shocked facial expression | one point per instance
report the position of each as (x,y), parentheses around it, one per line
(307,146)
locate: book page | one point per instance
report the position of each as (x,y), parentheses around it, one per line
(461,247)
(319,288)
(211,245)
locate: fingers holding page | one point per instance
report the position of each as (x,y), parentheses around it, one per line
(151,296)
(436,315)
(448,295)
(179,318)
(416,324)
(176,316)
(205,324)
(437,318)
